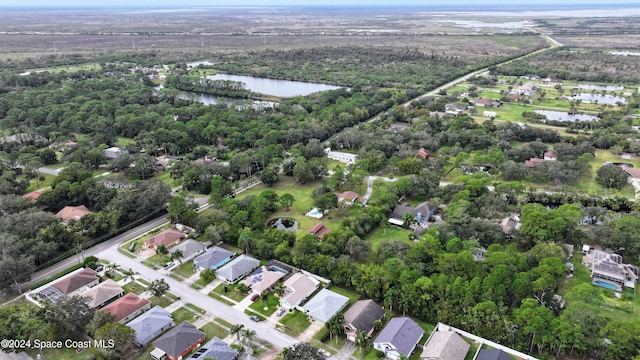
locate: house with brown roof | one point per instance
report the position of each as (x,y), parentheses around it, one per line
(319,230)
(423,153)
(486,103)
(445,345)
(632,172)
(347,197)
(102,293)
(78,281)
(362,316)
(69,213)
(33,196)
(297,288)
(127,307)
(531,163)
(167,238)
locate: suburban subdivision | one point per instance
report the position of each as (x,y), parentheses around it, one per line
(303,183)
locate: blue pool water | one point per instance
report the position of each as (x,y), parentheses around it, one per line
(315,213)
(607,285)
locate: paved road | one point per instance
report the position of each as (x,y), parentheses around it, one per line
(263,329)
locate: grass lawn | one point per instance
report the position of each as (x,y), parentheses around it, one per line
(40,184)
(185,269)
(123,141)
(272,304)
(231,292)
(389,233)
(214,330)
(61,354)
(589,185)
(223,322)
(353,297)
(166,178)
(126,253)
(184,314)
(163,301)
(195,308)
(157,260)
(219,298)
(296,321)
(367,353)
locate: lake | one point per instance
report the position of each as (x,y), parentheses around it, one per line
(274,87)
(565,116)
(600,99)
(198,63)
(600,87)
(208,99)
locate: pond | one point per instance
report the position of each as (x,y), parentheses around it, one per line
(600,99)
(565,116)
(599,87)
(202,62)
(276,87)
(624,53)
(208,99)
(286,224)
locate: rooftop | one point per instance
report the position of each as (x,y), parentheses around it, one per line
(72,213)
(165,238)
(325,305)
(179,339)
(446,345)
(125,306)
(76,281)
(102,293)
(403,333)
(298,287)
(363,314)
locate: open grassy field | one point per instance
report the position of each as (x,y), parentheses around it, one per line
(183,314)
(214,330)
(390,232)
(40,184)
(296,321)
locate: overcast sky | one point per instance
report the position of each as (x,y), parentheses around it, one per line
(184,3)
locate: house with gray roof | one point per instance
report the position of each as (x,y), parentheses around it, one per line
(150,324)
(362,316)
(177,342)
(213,258)
(399,337)
(190,248)
(445,345)
(238,268)
(215,349)
(421,213)
(493,354)
(325,305)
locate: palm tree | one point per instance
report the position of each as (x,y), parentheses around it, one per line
(130,274)
(111,267)
(248,335)
(245,240)
(162,251)
(389,297)
(236,329)
(279,290)
(177,256)
(264,296)
(361,339)
(335,326)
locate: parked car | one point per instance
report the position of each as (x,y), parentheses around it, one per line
(255,297)
(254,318)
(280,311)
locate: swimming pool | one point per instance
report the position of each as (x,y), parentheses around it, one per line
(607,285)
(315,213)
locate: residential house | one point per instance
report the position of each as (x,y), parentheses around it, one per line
(167,238)
(510,223)
(205,161)
(347,197)
(455,109)
(150,324)
(550,155)
(69,213)
(215,349)
(490,114)
(421,213)
(399,337)
(343,157)
(102,293)
(608,269)
(528,89)
(551,82)
(77,282)
(399,127)
(127,307)
(423,153)
(486,103)
(213,258)
(445,345)
(531,163)
(634,174)
(493,354)
(319,230)
(177,342)
(262,279)
(190,248)
(325,305)
(362,316)
(114,152)
(32,196)
(237,268)
(165,160)
(297,288)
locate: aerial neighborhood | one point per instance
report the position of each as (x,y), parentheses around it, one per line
(300,184)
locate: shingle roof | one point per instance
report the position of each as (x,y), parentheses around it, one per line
(149,324)
(76,281)
(399,211)
(319,230)
(164,238)
(403,333)
(348,195)
(237,267)
(363,314)
(125,306)
(299,286)
(325,305)
(179,339)
(493,354)
(102,293)
(189,248)
(212,257)
(215,349)
(72,213)
(447,345)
